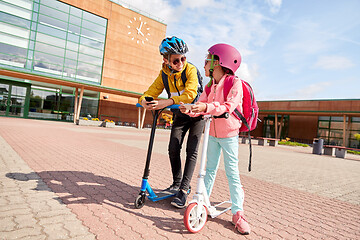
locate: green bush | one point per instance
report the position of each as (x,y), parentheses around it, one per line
(292,143)
(353,152)
(357,136)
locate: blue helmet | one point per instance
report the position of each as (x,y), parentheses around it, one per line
(173,45)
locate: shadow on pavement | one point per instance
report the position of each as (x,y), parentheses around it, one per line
(74,187)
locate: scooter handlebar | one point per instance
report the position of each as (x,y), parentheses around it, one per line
(174,106)
(224,115)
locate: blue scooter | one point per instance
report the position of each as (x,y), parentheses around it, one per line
(145,186)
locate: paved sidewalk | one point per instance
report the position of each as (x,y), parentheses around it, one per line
(62,181)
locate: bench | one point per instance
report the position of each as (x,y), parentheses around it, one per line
(245,139)
(272,141)
(340,151)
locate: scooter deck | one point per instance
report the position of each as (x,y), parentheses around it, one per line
(219,209)
(163,195)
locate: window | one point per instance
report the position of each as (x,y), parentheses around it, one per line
(51,103)
(331,130)
(53,39)
(15,19)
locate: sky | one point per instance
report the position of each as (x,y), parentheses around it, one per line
(291,50)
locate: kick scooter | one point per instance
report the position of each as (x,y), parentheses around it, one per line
(199,207)
(145,186)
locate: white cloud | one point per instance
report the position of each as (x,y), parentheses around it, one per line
(312,90)
(197,4)
(333,63)
(305,40)
(275,5)
(247,73)
(308,39)
(204,23)
(204,27)
(157,8)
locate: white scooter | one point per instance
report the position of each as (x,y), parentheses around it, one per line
(199,207)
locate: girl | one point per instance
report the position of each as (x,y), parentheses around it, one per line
(221,62)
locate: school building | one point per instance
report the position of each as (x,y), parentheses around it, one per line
(335,121)
(64,60)
(67,59)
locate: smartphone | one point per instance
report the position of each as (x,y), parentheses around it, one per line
(188,106)
(149,99)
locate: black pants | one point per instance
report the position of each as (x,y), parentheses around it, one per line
(182,124)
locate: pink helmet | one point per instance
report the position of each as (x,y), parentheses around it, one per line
(229,57)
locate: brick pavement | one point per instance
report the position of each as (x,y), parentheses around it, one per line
(62,181)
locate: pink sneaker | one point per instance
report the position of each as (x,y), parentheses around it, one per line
(240,223)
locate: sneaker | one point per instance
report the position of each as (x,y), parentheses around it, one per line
(173,188)
(179,200)
(240,223)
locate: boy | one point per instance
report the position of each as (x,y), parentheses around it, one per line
(174,69)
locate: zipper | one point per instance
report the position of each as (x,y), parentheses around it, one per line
(214,118)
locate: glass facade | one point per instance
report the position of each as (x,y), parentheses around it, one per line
(18,99)
(51,38)
(269,126)
(58,103)
(331,130)
(14,99)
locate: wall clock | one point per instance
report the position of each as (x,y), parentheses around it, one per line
(138,30)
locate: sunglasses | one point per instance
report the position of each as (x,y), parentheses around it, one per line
(177,61)
(207,60)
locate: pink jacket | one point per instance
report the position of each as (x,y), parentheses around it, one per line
(217,105)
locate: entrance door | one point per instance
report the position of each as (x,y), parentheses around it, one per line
(269,126)
(13,100)
(4,97)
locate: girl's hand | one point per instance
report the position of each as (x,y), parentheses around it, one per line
(199,107)
(182,108)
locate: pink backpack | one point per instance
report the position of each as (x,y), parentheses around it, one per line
(250,109)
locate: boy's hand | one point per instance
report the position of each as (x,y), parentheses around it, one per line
(162,103)
(156,104)
(199,107)
(149,105)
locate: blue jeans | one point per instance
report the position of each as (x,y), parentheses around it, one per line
(230,147)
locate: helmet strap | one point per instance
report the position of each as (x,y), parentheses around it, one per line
(169,63)
(211,70)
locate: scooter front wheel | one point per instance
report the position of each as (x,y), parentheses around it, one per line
(195,217)
(140,201)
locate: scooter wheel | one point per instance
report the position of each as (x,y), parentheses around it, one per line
(195,217)
(140,201)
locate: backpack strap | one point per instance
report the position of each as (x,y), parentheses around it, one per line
(229,81)
(166,83)
(249,137)
(200,84)
(207,89)
(184,79)
(183,76)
